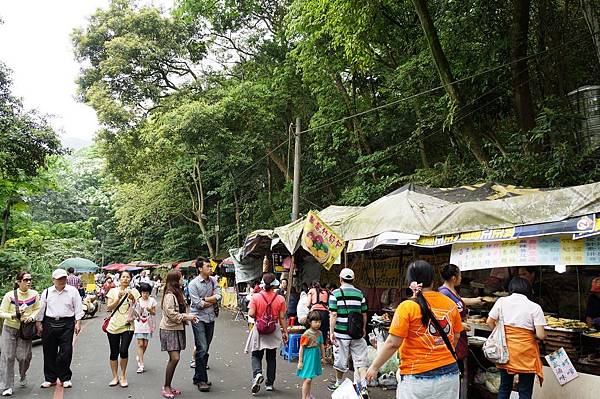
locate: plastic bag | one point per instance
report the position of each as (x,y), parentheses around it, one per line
(495,348)
(345,391)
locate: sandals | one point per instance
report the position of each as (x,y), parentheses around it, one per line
(175,391)
(166,394)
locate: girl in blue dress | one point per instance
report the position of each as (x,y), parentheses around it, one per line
(312,353)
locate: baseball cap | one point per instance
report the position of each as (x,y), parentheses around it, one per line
(347,274)
(595,285)
(59,273)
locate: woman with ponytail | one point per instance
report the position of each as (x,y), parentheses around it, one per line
(424,331)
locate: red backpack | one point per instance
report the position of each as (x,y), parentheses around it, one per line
(267,323)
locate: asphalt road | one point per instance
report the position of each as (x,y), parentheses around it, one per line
(229,372)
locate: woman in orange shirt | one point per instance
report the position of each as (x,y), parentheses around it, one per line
(428,368)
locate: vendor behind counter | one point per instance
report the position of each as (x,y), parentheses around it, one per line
(592,312)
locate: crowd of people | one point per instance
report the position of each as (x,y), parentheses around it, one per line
(427,331)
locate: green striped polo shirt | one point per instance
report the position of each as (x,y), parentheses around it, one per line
(345,300)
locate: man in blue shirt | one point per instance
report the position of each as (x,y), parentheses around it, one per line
(204,294)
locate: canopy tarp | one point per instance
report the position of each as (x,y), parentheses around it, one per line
(114,266)
(333,215)
(246,269)
(142,264)
(436,211)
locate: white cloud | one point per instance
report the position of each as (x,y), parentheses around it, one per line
(36,45)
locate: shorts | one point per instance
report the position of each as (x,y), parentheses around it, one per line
(146,336)
(345,347)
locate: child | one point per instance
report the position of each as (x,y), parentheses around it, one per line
(312,353)
(144,323)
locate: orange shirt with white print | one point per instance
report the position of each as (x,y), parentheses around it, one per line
(423,349)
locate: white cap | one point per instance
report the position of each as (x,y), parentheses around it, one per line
(347,274)
(59,273)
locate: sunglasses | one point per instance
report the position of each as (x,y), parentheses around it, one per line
(26,279)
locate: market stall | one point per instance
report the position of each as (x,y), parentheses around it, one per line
(560,269)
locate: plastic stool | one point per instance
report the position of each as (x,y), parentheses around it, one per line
(292,349)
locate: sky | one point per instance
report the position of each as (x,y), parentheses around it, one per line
(35,44)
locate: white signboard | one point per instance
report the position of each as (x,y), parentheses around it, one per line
(562,367)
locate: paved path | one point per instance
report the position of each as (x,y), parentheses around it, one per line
(229,373)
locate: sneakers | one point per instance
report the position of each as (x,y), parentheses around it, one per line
(23,382)
(69,384)
(192,364)
(47,384)
(333,386)
(268,388)
(7,392)
(364,394)
(256,383)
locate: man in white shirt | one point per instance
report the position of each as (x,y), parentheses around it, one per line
(59,318)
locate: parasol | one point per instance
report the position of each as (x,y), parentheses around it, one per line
(80,265)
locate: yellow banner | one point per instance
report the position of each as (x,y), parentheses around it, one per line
(321,241)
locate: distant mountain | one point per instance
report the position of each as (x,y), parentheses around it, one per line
(74,143)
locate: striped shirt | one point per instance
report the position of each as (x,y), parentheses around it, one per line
(343,301)
(74,281)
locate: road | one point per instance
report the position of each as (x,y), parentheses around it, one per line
(229,369)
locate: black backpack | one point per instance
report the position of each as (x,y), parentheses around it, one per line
(355,321)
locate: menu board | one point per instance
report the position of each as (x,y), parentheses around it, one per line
(562,367)
(527,252)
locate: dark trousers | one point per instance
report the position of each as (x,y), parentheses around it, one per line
(57,342)
(525,385)
(257,357)
(119,344)
(203,335)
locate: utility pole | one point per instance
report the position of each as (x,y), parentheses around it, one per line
(218,228)
(295,201)
(296,192)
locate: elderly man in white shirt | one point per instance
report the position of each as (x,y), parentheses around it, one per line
(59,318)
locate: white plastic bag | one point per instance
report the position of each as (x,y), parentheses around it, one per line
(495,348)
(345,391)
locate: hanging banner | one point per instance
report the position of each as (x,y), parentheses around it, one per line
(321,241)
(581,227)
(544,251)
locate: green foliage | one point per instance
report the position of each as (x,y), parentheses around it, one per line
(197,107)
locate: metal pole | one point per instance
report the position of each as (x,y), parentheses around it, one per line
(296,192)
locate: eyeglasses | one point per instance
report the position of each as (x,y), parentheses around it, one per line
(26,279)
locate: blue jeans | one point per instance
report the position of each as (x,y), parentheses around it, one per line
(203,335)
(526,381)
(440,383)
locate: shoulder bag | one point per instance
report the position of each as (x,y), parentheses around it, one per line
(495,348)
(355,321)
(107,319)
(26,330)
(217,305)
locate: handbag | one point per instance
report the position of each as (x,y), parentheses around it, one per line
(26,330)
(495,348)
(107,319)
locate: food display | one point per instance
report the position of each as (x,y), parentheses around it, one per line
(501,293)
(595,334)
(566,324)
(476,320)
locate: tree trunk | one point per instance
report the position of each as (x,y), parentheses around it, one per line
(197,199)
(519,66)
(357,127)
(592,18)
(280,165)
(471,138)
(237,211)
(5,219)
